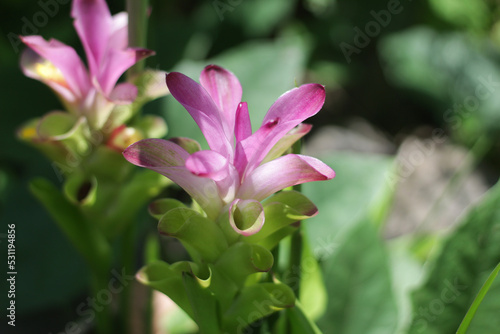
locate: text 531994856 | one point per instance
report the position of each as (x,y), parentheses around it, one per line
(11,274)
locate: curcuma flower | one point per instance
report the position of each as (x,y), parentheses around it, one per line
(241,168)
(91,93)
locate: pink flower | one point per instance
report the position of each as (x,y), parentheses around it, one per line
(241,168)
(92,93)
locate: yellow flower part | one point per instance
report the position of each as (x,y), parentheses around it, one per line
(123,136)
(47,71)
(28,132)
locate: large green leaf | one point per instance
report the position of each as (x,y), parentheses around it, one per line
(407,274)
(258,17)
(457,76)
(466,260)
(274,69)
(360,190)
(358,281)
(467,13)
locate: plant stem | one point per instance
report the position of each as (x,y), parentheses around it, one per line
(294,264)
(137,29)
(151,254)
(296,242)
(99,283)
(127,261)
(295,261)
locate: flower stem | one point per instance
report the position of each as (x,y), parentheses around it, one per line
(137,29)
(151,254)
(127,258)
(99,282)
(296,244)
(295,248)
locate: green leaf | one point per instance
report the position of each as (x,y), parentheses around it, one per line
(300,323)
(407,274)
(281,210)
(256,302)
(168,279)
(178,322)
(360,298)
(419,60)
(465,13)
(80,190)
(466,259)
(313,296)
(259,17)
(249,259)
(203,303)
(477,302)
(161,206)
(85,236)
(202,237)
(70,131)
(134,194)
(361,190)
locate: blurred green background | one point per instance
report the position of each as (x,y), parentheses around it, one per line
(393,70)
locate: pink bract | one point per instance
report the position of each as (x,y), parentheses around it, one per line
(240,166)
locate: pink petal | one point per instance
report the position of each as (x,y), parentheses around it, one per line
(118,38)
(116,63)
(210,164)
(93,24)
(168,159)
(188,144)
(297,104)
(62,57)
(202,109)
(243,127)
(30,62)
(246,217)
(225,90)
(287,141)
(156,153)
(281,173)
(287,112)
(96,107)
